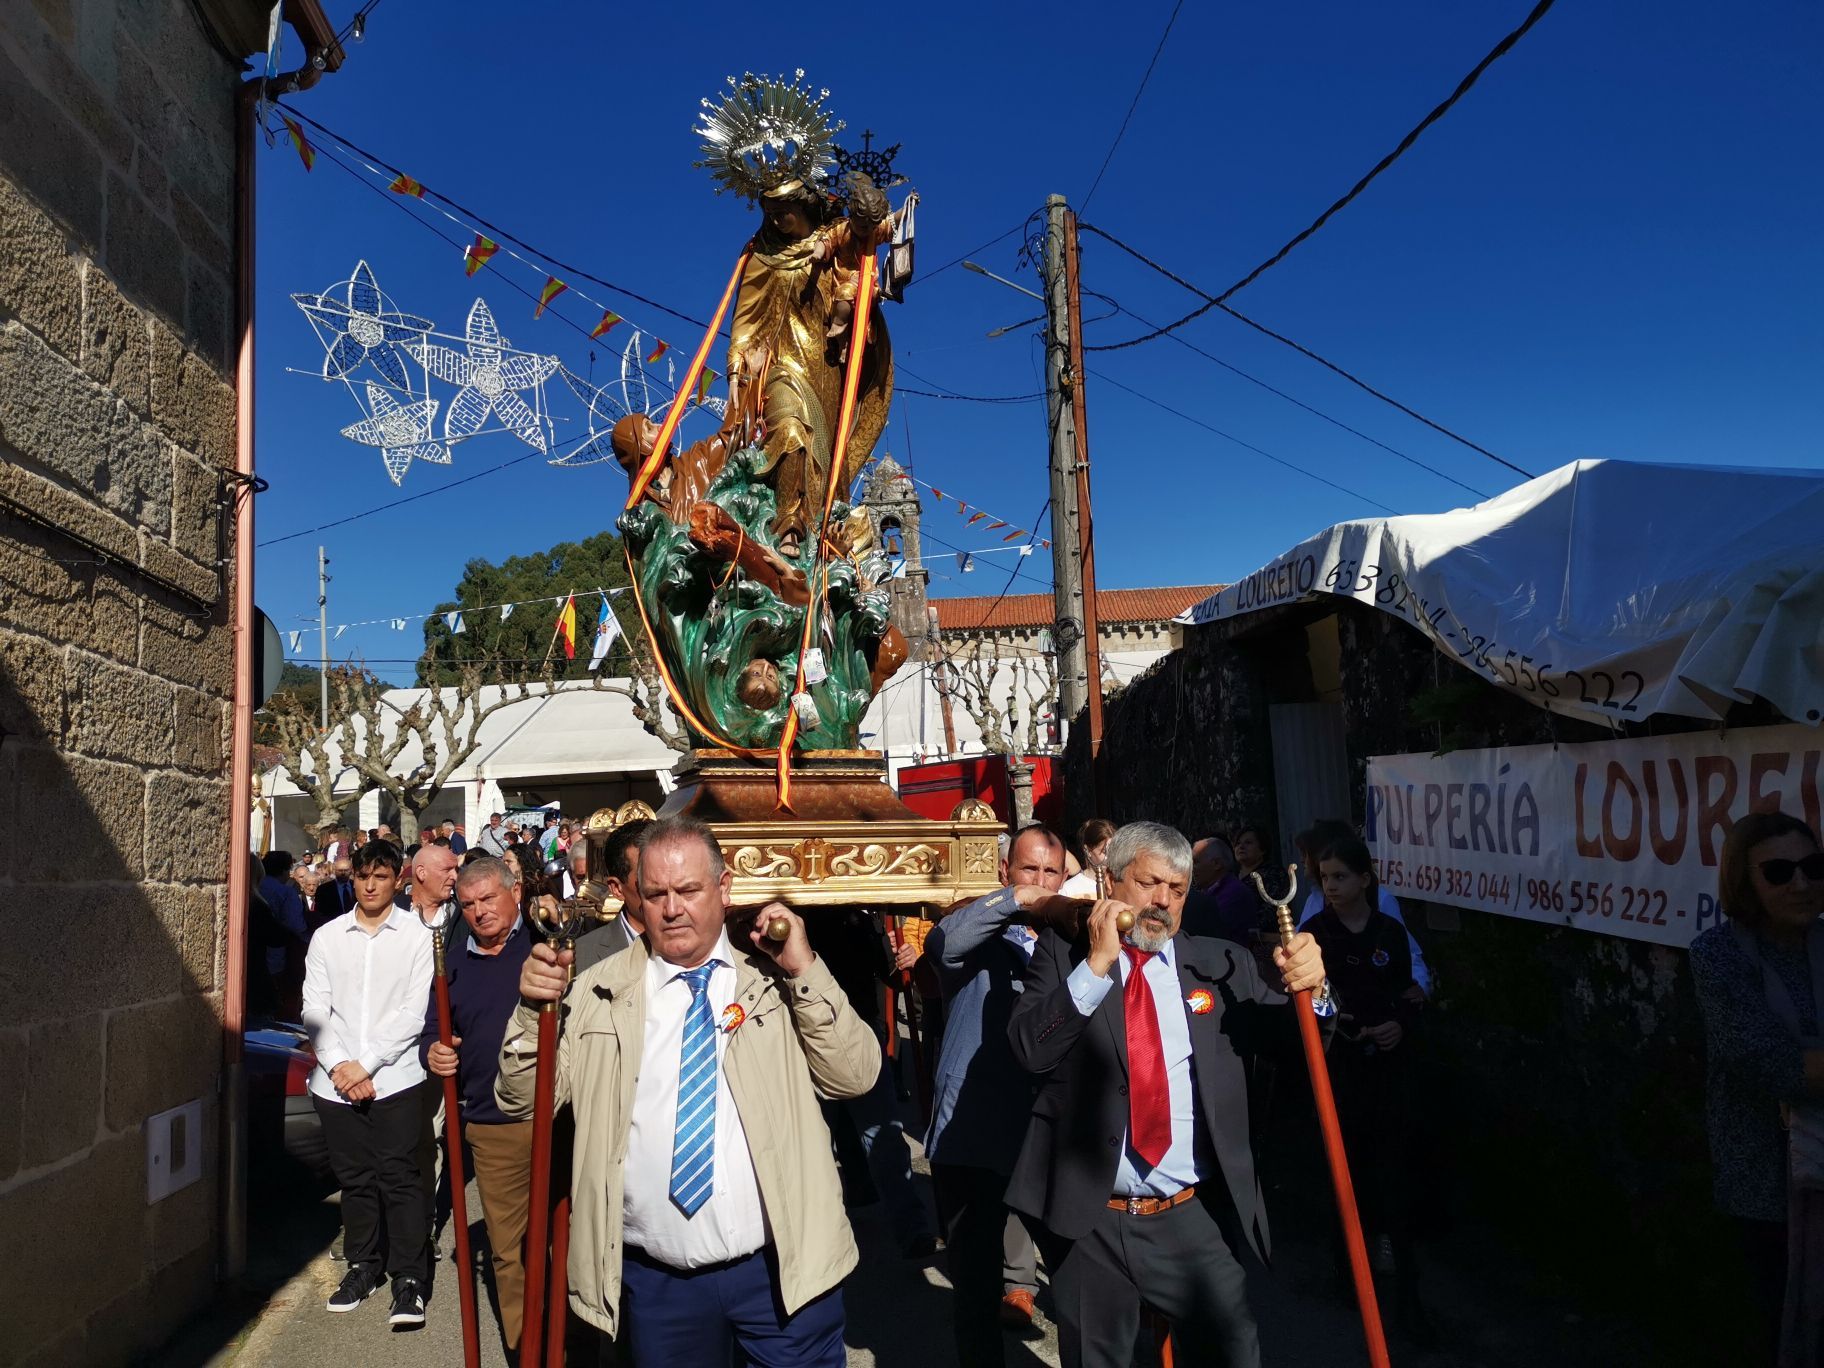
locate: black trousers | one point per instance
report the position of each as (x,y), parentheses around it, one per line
(1178,1262)
(373,1149)
(972,1205)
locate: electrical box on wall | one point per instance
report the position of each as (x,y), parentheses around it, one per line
(174,1150)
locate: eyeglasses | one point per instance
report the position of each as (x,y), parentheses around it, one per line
(1779,872)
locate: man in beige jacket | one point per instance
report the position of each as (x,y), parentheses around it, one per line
(704,1195)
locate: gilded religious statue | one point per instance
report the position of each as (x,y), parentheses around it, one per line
(730,544)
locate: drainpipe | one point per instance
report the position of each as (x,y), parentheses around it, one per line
(240,768)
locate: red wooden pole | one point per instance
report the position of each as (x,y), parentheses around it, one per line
(559,1295)
(538,1218)
(1333,1141)
(459,1198)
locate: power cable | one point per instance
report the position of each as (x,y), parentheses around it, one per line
(1044,511)
(1229,437)
(958,261)
(1298,347)
(1495,54)
(1316,412)
(943,392)
(1135,104)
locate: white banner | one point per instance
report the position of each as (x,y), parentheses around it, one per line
(1620,837)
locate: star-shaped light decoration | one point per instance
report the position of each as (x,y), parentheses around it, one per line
(401,431)
(491,374)
(363,327)
(604,412)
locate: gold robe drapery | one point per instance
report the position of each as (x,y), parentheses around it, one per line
(784,310)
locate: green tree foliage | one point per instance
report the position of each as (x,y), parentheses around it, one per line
(517,646)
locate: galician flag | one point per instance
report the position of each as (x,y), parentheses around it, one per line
(566,626)
(607,628)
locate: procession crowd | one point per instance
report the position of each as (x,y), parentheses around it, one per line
(1093,1087)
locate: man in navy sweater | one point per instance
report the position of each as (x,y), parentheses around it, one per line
(483,969)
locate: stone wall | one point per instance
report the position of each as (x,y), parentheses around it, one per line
(1565,1069)
(116,419)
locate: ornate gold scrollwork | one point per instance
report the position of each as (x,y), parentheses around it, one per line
(764,861)
(867,861)
(973,810)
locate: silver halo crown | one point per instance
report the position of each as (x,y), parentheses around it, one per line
(767,132)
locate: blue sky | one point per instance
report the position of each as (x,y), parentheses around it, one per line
(1608,248)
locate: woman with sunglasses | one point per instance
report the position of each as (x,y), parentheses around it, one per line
(1760,983)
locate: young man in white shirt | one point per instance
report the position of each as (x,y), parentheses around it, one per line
(367,977)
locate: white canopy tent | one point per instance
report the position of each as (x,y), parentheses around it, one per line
(1602,590)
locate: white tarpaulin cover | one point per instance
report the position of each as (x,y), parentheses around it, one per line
(1602,589)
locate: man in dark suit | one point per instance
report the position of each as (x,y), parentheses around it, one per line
(1137,1161)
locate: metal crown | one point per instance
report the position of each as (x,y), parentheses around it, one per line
(765,132)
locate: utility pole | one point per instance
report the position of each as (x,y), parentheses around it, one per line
(1068,634)
(323,633)
(1086,538)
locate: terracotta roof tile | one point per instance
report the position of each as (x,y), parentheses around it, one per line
(1036,610)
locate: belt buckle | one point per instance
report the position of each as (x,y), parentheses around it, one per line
(1133,1206)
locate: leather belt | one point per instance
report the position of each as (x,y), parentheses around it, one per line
(1151,1206)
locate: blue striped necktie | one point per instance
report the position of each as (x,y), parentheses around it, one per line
(693,1146)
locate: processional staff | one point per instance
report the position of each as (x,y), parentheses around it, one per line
(447,918)
(1333,1132)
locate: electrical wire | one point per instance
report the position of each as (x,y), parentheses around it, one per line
(1495,54)
(1044,512)
(944,392)
(1298,347)
(359,19)
(958,261)
(1229,437)
(1121,132)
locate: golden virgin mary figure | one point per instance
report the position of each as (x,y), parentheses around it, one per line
(793,320)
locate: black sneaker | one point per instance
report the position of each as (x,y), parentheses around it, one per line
(408,1303)
(358,1284)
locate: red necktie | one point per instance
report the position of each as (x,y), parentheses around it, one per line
(1149,1100)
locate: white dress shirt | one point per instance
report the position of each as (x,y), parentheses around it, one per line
(731,1223)
(364,999)
(1177,1170)
(1082,884)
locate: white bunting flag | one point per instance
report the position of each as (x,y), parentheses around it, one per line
(454,622)
(965,562)
(1026,550)
(297,639)
(398,624)
(341,627)
(506,611)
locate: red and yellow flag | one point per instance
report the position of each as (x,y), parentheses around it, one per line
(703,383)
(566,627)
(1014,535)
(976,517)
(937,493)
(405,185)
(479,253)
(553,288)
(658,350)
(306,153)
(995,526)
(609,319)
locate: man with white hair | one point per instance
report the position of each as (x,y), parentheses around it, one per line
(1137,1160)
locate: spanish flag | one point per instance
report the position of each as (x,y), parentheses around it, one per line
(609,319)
(976,517)
(306,153)
(659,350)
(1014,535)
(553,288)
(479,253)
(566,627)
(405,185)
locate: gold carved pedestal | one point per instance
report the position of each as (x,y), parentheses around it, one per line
(849,841)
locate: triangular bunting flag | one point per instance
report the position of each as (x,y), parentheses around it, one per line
(553,288)
(478,254)
(703,383)
(297,639)
(937,493)
(965,562)
(340,628)
(609,319)
(405,185)
(995,526)
(1014,535)
(976,517)
(398,624)
(454,622)
(657,351)
(1026,550)
(306,153)
(1046,545)
(506,611)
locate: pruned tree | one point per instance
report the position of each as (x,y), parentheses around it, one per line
(1005,689)
(312,754)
